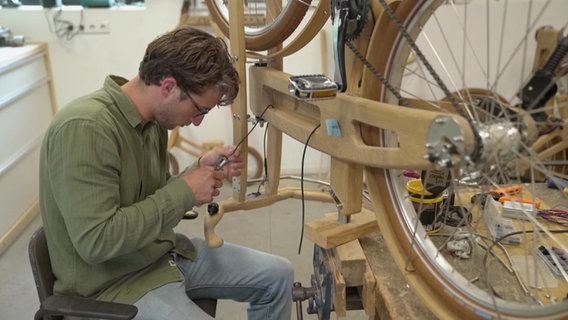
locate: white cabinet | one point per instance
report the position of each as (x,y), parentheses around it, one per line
(27,105)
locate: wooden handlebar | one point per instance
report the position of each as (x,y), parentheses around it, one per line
(210,222)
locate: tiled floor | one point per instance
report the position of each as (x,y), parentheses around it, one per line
(275,229)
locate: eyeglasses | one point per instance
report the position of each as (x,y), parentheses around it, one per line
(200,111)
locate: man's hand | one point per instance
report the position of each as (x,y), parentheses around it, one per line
(204,182)
(234,165)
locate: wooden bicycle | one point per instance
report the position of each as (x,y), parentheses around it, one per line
(481,108)
(195,149)
(177,141)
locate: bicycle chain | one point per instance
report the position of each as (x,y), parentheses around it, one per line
(418,53)
(396,92)
(401,100)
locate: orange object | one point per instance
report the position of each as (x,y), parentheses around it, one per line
(536,202)
(514,189)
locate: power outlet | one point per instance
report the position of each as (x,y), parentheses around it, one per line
(102,27)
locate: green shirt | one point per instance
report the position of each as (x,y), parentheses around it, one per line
(107,200)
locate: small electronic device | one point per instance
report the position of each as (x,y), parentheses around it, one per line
(554,258)
(518,210)
(499,227)
(312,87)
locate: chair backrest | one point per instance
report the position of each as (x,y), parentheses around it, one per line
(41,264)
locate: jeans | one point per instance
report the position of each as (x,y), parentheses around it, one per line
(229,272)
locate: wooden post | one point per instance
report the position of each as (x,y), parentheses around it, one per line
(274,159)
(237,47)
(274,135)
(347,183)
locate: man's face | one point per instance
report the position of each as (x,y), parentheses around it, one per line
(182,109)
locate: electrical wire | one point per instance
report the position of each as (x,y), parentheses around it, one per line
(259,118)
(264,158)
(264,162)
(557,216)
(64,29)
(498,240)
(302,188)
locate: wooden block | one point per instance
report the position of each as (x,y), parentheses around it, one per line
(367,291)
(339,298)
(346,180)
(352,263)
(327,232)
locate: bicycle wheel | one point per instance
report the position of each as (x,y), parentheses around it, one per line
(478,70)
(263,29)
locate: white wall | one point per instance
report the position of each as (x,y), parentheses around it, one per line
(81,63)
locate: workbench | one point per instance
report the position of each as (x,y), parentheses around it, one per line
(392,296)
(394,299)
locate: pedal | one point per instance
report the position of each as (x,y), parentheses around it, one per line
(312,87)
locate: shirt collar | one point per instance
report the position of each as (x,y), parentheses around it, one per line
(112,87)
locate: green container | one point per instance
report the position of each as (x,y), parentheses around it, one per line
(97,3)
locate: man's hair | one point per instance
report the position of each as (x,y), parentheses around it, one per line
(196,59)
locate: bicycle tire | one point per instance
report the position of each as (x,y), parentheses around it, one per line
(267,36)
(443,288)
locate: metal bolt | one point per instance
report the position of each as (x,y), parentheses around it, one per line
(458,139)
(440,120)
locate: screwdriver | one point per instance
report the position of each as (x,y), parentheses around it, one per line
(213,207)
(221,162)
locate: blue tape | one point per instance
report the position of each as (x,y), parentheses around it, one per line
(333,128)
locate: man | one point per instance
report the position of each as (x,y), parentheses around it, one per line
(109,204)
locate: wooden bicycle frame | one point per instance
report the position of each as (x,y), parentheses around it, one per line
(355,151)
(349,152)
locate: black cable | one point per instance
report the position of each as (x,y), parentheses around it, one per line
(264,162)
(496,241)
(302,187)
(65,29)
(264,158)
(259,118)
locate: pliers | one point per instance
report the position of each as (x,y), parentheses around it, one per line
(502,195)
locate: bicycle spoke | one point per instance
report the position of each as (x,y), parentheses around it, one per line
(485,67)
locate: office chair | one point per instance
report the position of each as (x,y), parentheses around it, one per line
(54,307)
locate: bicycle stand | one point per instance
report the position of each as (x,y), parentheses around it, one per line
(320,294)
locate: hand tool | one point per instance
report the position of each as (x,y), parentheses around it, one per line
(504,194)
(495,193)
(536,202)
